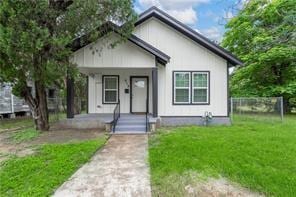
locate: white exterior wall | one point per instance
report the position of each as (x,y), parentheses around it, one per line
(100,55)
(95,89)
(186,55)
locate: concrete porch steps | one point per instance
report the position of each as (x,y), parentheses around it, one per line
(131,124)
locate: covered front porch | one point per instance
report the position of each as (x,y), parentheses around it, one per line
(135,90)
(121,79)
(122,100)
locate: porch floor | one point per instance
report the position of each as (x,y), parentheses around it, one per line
(127,123)
(95,116)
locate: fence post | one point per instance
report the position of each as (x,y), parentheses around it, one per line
(57,107)
(231,109)
(240,106)
(282,108)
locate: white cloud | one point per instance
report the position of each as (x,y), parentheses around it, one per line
(210,14)
(187,16)
(213,33)
(180,9)
(149,3)
(171,4)
(228,15)
(138,9)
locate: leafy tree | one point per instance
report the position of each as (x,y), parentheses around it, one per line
(263,36)
(35,36)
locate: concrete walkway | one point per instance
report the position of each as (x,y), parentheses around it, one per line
(119,169)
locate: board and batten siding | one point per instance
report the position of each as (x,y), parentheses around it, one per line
(100,54)
(95,89)
(186,55)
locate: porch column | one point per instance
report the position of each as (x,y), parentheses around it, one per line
(70,97)
(87,93)
(155,90)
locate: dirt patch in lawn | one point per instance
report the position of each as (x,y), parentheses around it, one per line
(68,135)
(192,184)
(8,147)
(218,187)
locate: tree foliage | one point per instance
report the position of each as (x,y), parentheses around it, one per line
(263,35)
(35,36)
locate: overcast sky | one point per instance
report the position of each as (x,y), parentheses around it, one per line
(205,16)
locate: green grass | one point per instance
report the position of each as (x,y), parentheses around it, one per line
(24,122)
(24,135)
(41,174)
(256,154)
(16,123)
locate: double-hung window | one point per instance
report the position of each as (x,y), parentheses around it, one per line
(200,87)
(182,87)
(110,89)
(191,87)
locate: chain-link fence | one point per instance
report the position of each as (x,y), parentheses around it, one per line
(260,108)
(57,107)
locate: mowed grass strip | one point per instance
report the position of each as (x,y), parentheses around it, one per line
(257,155)
(42,173)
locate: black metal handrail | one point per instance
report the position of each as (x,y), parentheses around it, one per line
(147,110)
(116,115)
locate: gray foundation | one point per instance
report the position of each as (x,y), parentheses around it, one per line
(94,121)
(86,121)
(179,121)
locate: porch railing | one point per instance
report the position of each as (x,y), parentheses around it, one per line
(116,115)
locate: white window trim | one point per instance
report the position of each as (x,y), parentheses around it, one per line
(175,88)
(116,89)
(200,88)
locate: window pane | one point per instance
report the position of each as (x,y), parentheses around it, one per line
(182,79)
(200,80)
(200,95)
(140,84)
(182,95)
(111,96)
(110,83)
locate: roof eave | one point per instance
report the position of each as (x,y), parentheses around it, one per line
(160,56)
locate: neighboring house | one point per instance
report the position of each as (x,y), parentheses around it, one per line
(165,68)
(11,105)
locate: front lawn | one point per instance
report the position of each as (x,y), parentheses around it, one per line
(40,174)
(256,154)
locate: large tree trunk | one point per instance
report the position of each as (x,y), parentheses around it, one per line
(38,106)
(41,121)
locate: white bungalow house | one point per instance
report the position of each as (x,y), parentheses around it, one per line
(165,70)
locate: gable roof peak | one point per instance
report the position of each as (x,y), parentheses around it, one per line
(187,31)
